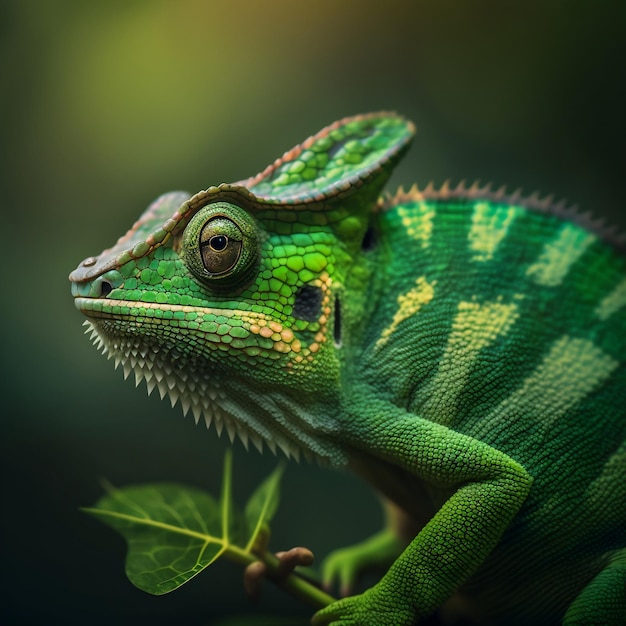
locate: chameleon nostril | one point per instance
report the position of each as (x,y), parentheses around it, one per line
(89,261)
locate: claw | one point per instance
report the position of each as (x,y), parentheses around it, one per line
(252,577)
(290,559)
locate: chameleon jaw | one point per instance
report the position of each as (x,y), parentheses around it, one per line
(188,385)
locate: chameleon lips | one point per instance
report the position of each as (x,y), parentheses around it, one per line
(224,329)
(98,307)
(212,333)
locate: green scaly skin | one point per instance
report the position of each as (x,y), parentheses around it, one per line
(461,349)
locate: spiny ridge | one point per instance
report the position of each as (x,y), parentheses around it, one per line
(533,202)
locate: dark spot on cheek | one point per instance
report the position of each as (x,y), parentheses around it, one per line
(308,304)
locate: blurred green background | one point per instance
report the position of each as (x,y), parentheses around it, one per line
(107,104)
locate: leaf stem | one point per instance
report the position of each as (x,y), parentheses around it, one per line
(227,494)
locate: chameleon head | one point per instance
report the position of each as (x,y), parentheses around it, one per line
(230,301)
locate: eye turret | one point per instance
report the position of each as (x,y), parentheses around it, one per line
(221,241)
(220,245)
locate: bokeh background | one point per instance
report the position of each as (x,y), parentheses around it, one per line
(107,104)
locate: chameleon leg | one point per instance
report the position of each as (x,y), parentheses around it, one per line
(487,489)
(603,600)
(375,553)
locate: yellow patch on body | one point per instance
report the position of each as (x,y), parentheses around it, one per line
(408,305)
(559,255)
(490,224)
(418,221)
(572,369)
(476,326)
(612,303)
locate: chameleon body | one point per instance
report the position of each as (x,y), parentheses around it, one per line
(462,350)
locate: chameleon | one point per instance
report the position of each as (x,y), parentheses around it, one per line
(461,349)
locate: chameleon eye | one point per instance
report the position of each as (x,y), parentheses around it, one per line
(220,245)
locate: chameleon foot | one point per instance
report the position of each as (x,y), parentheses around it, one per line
(287,561)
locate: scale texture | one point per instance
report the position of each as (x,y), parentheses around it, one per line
(463,350)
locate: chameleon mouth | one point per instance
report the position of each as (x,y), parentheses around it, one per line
(105,307)
(249,336)
(219,401)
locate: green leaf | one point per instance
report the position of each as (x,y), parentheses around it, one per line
(173,532)
(262,506)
